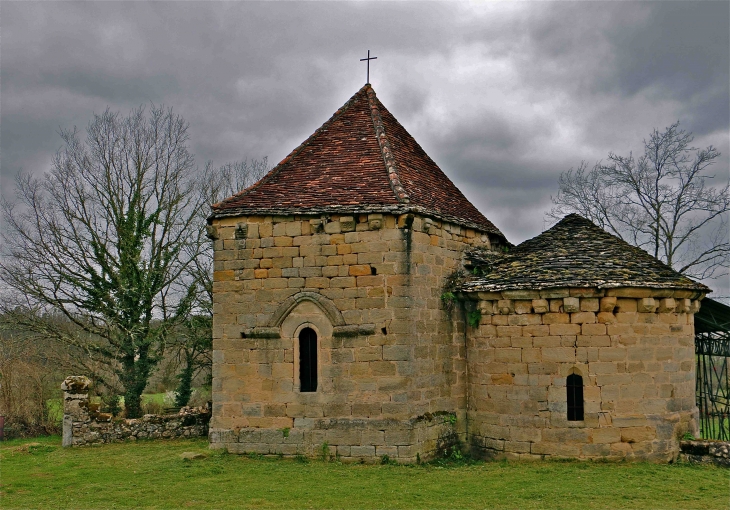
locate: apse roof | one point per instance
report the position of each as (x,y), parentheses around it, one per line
(574,253)
(360,160)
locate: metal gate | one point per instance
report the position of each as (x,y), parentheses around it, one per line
(712,350)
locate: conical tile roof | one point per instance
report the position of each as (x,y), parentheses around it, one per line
(360,160)
(575,253)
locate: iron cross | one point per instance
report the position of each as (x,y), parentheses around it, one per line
(368,60)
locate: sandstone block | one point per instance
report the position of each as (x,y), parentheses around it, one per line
(667,305)
(527,319)
(343,281)
(637,434)
(522,306)
(571,304)
(557,449)
(683,305)
(347,224)
(564,329)
(360,270)
(546,341)
(318,283)
(362,451)
(558,294)
(490,296)
(606,435)
(624,305)
(501,379)
(382,367)
(568,435)
(612,354)
(589,304)
(505,306)
(593,329)
(536,330)
(583,318)
(630,421)
(375,221)
(607,304)
(695,306)
(332,227)
(540,305)
(556,318)
(521,294)
(558,354)
(509,331)
(396,352)
(646,305)
(605,318)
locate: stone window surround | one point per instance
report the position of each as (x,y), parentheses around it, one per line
(295,342)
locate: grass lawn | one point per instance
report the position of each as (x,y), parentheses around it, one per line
(151,474)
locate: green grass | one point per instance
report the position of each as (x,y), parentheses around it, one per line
(154,397)
(151,474)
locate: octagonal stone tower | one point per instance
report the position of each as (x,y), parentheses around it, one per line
(328,330)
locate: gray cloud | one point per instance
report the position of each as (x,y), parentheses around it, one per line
(503,96)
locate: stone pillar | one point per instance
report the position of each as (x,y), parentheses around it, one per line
(75,404)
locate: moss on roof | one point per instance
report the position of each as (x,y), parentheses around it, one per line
(574,253)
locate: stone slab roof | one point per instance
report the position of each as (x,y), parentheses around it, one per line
(574,253)
(360,160)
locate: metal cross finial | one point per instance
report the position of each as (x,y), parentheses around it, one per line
(368,60)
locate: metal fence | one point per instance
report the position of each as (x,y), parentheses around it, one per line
(713,386)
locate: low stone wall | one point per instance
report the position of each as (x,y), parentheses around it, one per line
(706,452)
(353,440)
(83,425)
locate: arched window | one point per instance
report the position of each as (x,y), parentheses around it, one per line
(574,385)
(307,360)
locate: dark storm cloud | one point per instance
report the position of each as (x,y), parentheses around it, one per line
(503,96)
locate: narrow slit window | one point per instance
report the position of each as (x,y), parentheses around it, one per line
(575,397)
(307,360)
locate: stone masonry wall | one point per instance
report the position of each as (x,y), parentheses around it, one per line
(706,452)
(633,347)
(369,285)
(82,425)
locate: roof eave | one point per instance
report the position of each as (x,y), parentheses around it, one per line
(352,209)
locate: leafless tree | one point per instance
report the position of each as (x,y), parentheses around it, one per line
(231,178)
(107,239)
(663,202)
(192,343)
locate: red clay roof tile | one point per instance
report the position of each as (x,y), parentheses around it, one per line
(360,160)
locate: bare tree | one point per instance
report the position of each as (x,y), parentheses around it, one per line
(662,202)
(193,341)
(108,239)
(231,178)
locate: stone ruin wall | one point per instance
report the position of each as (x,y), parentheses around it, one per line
(389,356)
(633,347)
(84,425)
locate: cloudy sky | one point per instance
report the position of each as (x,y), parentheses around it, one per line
(503,96)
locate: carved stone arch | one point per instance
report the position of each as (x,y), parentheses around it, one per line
(324,304)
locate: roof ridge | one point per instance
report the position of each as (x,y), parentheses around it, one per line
(385,149)
(296,150)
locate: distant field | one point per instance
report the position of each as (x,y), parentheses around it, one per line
(151,474)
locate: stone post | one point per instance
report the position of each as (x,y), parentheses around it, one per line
(75,404)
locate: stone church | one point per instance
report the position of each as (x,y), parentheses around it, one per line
(363,307)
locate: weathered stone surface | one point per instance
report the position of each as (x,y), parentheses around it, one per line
(192,456)
(571,304)
(646,305)
(81,427)
(76,384)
